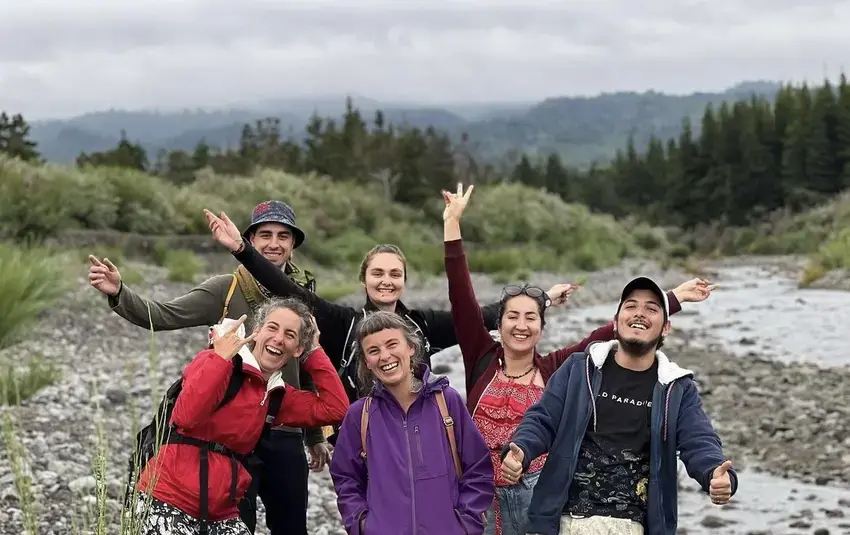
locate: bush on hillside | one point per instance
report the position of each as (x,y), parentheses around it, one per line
(342,220)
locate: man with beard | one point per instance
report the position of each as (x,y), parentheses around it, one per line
(281,478)
(612,420)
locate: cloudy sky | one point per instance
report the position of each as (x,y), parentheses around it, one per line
(62,57)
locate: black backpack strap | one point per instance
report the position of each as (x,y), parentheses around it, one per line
(275,401)
(237,377)
(481,366)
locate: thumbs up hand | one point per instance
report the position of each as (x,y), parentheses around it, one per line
(720,488)
(512,464)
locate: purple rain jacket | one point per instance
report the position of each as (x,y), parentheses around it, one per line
(412,486)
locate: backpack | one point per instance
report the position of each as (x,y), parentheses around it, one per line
(160,431)
(448,421)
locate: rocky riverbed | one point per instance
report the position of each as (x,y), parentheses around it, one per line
(787,419)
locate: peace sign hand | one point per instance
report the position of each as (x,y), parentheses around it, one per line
(456,202)
(229,343)
(224,231)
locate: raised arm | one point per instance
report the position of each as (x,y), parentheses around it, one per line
(330,317)
(472,334)
(327,406)
(348,471)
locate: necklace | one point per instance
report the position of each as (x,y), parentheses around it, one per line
(517,376)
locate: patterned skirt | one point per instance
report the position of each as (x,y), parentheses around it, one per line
(159,518)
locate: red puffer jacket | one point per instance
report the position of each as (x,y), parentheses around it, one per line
(237,425)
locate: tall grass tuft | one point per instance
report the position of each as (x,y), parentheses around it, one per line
(31,280)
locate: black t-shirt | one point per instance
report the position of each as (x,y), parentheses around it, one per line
(612,474)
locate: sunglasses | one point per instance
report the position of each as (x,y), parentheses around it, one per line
(534,292)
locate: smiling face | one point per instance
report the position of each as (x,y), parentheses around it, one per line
(388,356)
(277,340)
(384,279)
(520,326)
(274,241)
(640,322)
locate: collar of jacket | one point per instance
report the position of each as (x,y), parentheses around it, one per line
(400,309)
(668,371)
(430,383)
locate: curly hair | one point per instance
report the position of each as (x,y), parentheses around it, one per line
(307,330)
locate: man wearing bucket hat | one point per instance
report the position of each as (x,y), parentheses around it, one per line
(616,416)
(281,482)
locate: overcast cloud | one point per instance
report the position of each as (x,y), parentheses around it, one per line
(63,57)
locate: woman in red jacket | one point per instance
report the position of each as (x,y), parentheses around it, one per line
(171,493)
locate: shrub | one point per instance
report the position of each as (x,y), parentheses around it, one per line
(182,265)
(31,280)
(342,219)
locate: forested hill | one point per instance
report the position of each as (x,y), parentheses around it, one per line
(579,129)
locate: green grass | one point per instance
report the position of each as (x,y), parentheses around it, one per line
(522,227)
(31,280)
(182,265)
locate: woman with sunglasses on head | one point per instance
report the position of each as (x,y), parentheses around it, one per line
(505,377)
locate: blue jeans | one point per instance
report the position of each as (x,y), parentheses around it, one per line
(513,506)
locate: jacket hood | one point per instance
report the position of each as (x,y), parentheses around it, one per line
(248,359)
(431,382)
(668,371)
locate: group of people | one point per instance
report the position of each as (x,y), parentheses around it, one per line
(584,440)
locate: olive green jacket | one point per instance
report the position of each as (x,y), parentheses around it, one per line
(203,306)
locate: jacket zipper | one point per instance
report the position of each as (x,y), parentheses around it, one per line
(410,475)
(419,446)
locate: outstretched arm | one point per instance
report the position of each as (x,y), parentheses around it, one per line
(302,408)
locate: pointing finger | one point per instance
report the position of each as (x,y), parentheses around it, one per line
(110,265)
(459,189)
(93,259)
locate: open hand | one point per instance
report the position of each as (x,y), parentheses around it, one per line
(456,202)
(224,231)
(720,488)
(694,290)
(104,276)
(560,293)
(229,343)
(512,464)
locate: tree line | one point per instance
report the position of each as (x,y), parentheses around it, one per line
(743,160)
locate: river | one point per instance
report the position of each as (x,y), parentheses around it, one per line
(754,311)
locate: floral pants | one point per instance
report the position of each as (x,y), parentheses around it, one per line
(162,519)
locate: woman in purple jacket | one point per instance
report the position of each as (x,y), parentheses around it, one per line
(408,469)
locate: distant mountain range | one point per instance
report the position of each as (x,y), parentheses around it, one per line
(581,129)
